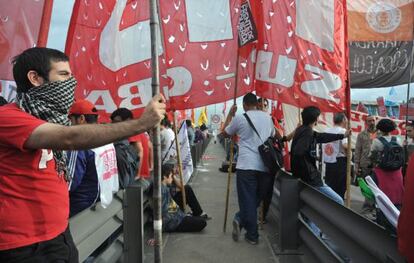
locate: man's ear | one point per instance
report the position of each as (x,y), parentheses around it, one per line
(35,78)
(82,119)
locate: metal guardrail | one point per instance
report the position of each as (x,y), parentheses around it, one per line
(348,233)
(118,230)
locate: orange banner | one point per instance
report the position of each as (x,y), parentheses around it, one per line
(388,20)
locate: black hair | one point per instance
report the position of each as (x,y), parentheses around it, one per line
(203,127)
(123,113)
(3,101)
(38,59)
(188,123)
(260,100)
(166,170)
(166,122)
(310,114)
(339,117)
(250,99)
(89,118)
(386,125)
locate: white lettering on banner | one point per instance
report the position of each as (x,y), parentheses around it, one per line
(182,81)
(108,103)
(315,20)
(390,63)
(144,94)
(285,73)
(322,87)
(208,20)
(118,49)
(182,84)
(47,155)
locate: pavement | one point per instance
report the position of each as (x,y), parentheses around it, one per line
(212,244)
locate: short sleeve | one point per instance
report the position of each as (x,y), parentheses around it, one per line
(233,127)
(134,138)
(16,126)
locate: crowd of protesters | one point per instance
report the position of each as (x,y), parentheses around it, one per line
(68,162)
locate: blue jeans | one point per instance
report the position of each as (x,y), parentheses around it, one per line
(326,190)
(251,189)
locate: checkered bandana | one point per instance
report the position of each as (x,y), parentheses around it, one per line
(51,102)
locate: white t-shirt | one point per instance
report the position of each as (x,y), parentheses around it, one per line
(107,170)
(167,137)
(249,157)
(335,149)
(377,145)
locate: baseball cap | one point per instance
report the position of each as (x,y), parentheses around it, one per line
(83,107)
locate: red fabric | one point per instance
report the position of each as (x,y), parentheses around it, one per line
(299,71)
(143,138)
(406,219)
(391,183)
(19,30)
(193,73)
(34,200)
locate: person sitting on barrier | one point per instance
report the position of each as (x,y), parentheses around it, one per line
(174,219)
(304,153)
(94,173)
(140,142)
(34,131)
(190,197)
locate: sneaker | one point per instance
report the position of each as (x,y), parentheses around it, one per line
(205,216)
(236,230)
(251,241)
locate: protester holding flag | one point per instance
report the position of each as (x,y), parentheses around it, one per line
(253,177)
(34,224)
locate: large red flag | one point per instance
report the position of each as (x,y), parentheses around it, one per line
(302,52)
(23,24)
(109,47)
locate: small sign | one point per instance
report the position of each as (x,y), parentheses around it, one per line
(215,119)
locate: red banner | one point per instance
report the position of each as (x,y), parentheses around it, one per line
(302,52)
(382,110)
(109,46)
(20,26)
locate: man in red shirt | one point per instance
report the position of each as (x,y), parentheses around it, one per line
(34,204)
(140,142)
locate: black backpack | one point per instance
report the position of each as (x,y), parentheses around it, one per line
(392,157)
(127,161)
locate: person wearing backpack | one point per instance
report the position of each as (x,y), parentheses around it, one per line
(387,156)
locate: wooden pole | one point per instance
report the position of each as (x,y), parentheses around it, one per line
(154,27)
(180,165)
(348,114)
(45,23)
(231,149)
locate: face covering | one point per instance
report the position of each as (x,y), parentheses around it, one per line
(50,102)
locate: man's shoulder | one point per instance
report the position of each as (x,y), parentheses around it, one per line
(11,110)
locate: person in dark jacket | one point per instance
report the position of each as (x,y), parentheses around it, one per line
(303,152)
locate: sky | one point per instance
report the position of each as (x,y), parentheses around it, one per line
(62,11)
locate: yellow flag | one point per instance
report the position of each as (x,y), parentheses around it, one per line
(202,119)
